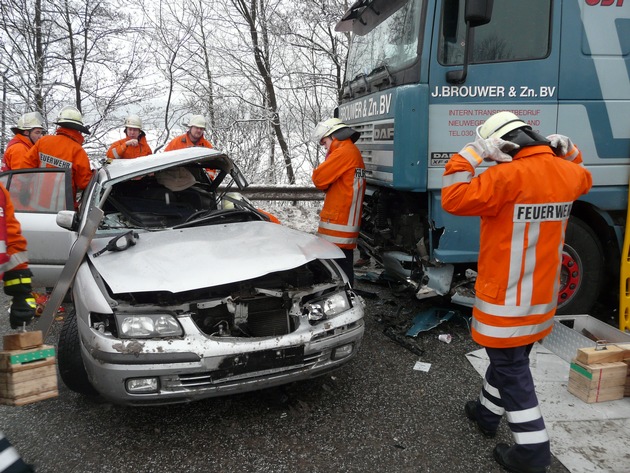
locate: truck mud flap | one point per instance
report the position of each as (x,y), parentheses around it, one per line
(77,253)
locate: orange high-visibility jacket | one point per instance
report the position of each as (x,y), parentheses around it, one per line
(184,141)
(524,207)
(62,150)
(15,244)
(120,150)
(16,152)
(342,177)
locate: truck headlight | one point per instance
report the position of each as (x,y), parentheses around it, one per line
(148,326)
(332,305)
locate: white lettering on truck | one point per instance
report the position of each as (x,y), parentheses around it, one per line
(369,107)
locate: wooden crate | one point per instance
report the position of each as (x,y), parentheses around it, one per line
(27,376)
(627,390)
(597,382)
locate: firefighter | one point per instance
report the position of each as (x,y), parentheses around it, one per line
(64,149)
(193,137)
(29,129)
(342,177)
(134,144)
(524,202)
(17,284)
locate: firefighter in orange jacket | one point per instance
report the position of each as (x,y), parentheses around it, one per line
(524,203)
(193,137)
(134,144)
(342,177)
(64,149)
(29,129)
(14,264)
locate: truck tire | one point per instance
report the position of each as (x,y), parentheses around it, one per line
(582,272)
(71,367)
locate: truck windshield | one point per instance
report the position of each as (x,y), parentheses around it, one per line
(390,46)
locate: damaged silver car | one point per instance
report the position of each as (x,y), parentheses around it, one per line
(184,292)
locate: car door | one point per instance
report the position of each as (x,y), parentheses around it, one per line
(37,195)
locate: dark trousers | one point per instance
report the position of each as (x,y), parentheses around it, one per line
(347,264)
(509,389)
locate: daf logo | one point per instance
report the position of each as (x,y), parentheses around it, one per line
(383,132)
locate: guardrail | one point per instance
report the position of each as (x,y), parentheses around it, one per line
(282,193)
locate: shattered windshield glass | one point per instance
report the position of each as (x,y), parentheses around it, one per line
(393,44)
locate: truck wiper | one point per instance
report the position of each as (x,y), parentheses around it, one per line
(381,75)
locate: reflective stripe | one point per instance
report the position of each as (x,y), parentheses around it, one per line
(339,228)
(513,311)
(510,332)
(342,241)
(357,199)
(491,389)
(3,246)
(516,255)
(526,415)
(529,265)
(470,154)
(9,455)
(491,406)
(456,178)
(13,282)
(115,153)
(528,438)
(15,260)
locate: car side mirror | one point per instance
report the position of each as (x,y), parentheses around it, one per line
(68,219)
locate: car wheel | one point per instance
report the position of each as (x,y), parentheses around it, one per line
(582,272)
(71,367)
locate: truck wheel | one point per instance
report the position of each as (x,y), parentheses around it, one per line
(71,367)
(582,272)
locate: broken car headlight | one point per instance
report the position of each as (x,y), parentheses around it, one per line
(332,305)
(148,326)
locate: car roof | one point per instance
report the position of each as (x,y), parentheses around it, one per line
(122,169)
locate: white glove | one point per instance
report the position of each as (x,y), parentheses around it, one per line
(493,149)
(561,144)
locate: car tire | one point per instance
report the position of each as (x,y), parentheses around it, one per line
(71,367)
(582,272)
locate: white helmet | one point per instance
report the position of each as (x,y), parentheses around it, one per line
(133,121)
(71,117)
(28,121)
(500,124)
(197,120)
(332,125)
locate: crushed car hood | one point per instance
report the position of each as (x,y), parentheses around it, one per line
(193,258)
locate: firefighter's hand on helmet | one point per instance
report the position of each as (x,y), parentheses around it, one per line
(561,144)
(22,311)
(493,149)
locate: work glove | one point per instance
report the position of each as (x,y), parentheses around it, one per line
(561,144)
(17,283)
(490,149)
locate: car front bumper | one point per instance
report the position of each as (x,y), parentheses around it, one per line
(199,366)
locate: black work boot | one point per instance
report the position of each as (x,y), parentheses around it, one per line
(501,454)
(471,412)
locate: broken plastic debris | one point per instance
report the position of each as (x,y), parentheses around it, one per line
(445,337)
(422,366)
(428,319)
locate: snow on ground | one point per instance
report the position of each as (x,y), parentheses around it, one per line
(304,216)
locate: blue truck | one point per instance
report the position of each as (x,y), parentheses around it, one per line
(422,75)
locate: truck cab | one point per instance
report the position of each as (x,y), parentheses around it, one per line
(422,75)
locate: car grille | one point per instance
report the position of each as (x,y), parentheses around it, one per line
(254,317)
(263,364)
